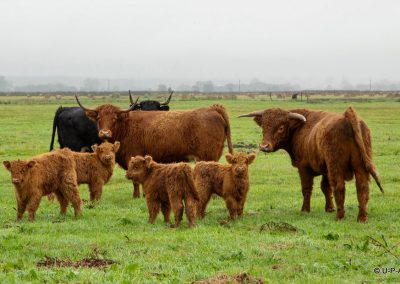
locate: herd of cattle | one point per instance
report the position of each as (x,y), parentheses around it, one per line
(155,146)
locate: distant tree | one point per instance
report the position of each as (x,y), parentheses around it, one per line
(91,84)
(208,86)
(4,84)
(162,88)
(230,87)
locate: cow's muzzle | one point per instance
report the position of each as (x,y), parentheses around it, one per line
(265,147)
(16,181)
(105,134)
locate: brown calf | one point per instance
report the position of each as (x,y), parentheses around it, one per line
(165,186)
(231,182)
(96,169)
(48,173)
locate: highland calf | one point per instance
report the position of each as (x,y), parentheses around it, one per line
(165,186)
(336,146)
(42,175)
(231,182)
(96,169)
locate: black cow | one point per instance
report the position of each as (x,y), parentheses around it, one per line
(151,105)
(76,131)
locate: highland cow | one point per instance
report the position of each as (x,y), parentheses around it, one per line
(165,186)
(336,146)
(231,182)
(42,175)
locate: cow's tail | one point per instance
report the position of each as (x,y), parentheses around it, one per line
(366,155)
(55,122)
(190,183)
(222,111)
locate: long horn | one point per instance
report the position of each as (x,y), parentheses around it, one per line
(167,101)
(79,103)
(297,116)
(130,97)
(251,114)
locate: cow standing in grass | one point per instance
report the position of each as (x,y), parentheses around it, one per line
(42,175)
(336,146)
(165,186)
(230,181)
(172,136)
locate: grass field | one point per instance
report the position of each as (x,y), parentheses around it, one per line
(317,249)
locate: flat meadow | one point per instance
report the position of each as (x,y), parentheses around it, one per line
(273,241)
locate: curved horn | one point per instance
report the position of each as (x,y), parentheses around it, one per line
(297,116)
(167,101)
(79,103)
(130,97)
(251,114)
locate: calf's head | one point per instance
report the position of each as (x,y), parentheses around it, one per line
(19,170)
(107,117)
(138,168)
(240,163)
(277,125)
(106,152)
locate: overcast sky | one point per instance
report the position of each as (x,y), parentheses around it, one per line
(312,41)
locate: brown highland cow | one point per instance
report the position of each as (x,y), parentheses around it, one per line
(48,173)
(336,146)
(231,182)
(96,169)
(165,186)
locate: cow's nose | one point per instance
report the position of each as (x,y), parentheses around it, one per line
(16,180)
(105,134)
(265,147)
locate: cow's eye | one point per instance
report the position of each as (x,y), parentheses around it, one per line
(281,128)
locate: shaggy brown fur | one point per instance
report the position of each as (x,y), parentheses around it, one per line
(172,136)
(52,172)
(165,186)
(231,182)
(96,169)
(336,146)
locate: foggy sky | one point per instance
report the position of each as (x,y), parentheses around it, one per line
(310,42)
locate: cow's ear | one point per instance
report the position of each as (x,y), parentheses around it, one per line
(258,119)
(250,158)
(148,159)
(31,164)
(92,114)
(94,147)
(7,164)
(116,146)
(229,158)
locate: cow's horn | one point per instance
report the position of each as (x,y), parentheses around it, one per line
(79,103)
(167,101)
(297,116)
(130,97)
(251,114)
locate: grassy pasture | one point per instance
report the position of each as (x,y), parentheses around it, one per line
(322,250)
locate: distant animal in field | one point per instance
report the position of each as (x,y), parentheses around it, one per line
(41,175)
(151,104)
(230,181)
(95,169)
(167,136)
(336,146)
(165,186)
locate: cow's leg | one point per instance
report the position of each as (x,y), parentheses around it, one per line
(63,202)
(136,190)
(202,205)
(232,206)
(307,180)
(21,208)
(190,209)
(177,207)
(339,191)
(166,210)
(153,205)
(327,190)
(32,206)
(362,179)
(96,190)
(70,191)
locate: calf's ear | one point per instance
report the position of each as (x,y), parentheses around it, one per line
(94,147)
(228,158)
(116,146)
(7,164)
(31,164)
(250,158)
(148,160)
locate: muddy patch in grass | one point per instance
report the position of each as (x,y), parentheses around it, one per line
(244,145)
(50,262)
(272,226)
(231,279)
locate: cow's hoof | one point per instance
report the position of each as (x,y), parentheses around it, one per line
(362,219)
(330,209)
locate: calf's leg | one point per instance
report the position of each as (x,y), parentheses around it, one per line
(136,190)
(21,209)
(177,207)
(32,206)
(63,202)
(166,210)
(153,205)
(232,206)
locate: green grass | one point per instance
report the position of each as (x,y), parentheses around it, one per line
(323,251)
